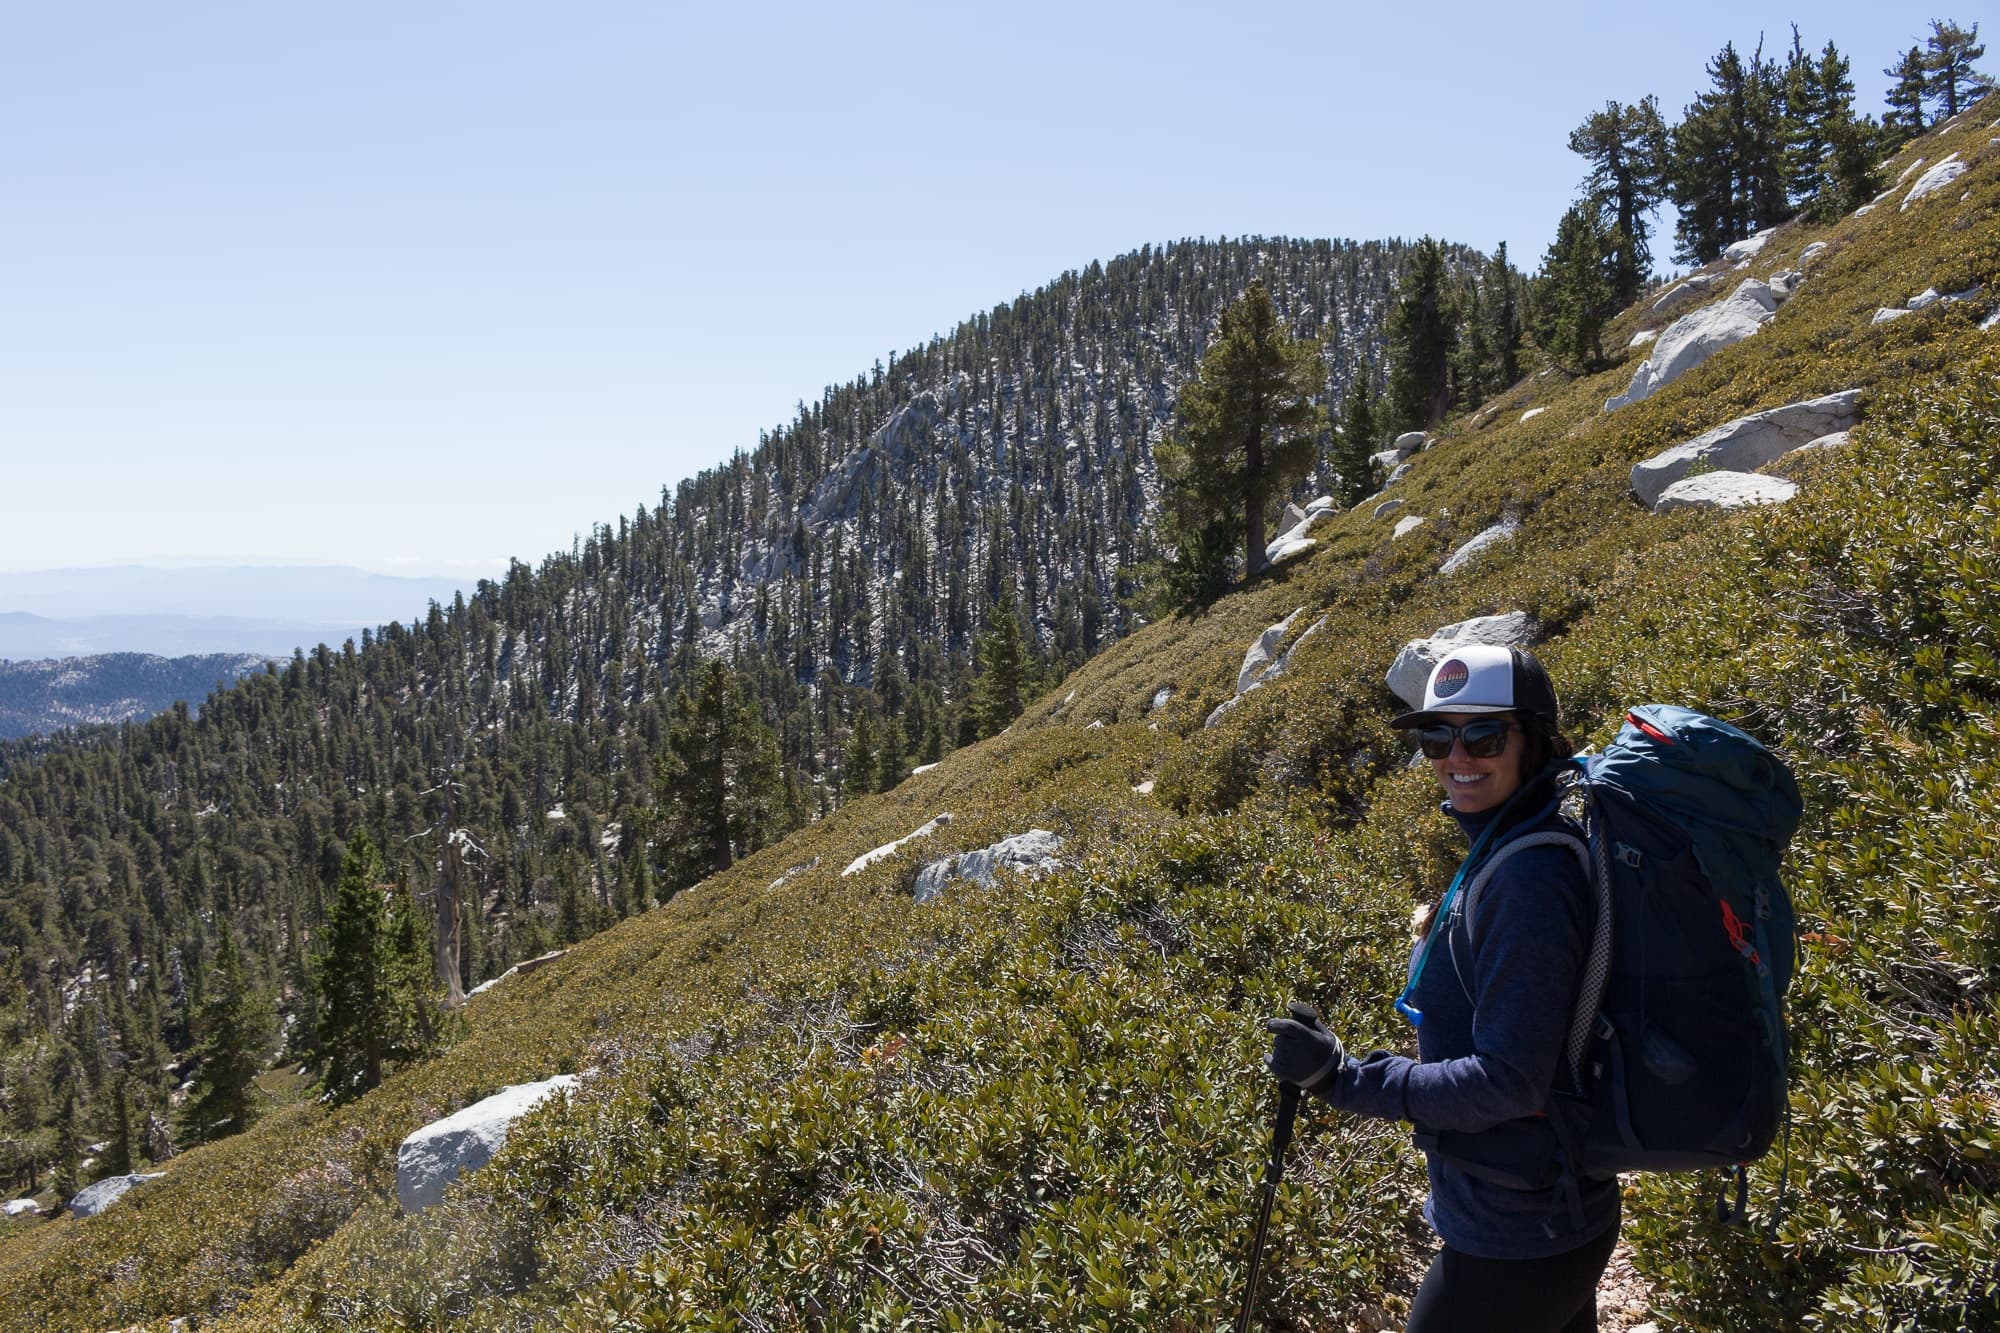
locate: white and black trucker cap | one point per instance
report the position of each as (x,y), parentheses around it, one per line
(1485,678)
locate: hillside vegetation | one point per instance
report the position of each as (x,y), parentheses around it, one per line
(809,1103)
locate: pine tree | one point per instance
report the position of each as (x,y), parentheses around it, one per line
(1249,426)
(999,689)
(1725,168)
(1503,315)
(1423,330)
(1354,443)
(861,765)
(368,1017)
(233,1030)
(719,787)
(1949,78)
(1830,160)
(1626,147)
(1904,119)
(1573,295)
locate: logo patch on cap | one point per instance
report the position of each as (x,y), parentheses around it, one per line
(1450,679)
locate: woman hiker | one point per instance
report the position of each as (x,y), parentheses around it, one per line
(1492,1008)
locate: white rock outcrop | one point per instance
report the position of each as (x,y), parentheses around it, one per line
(1939,176)
(1992,321)
(1144,789)
(19,1208)
(1694,286)
(1260,668)
(1499,534)
(1162,697)
(1811,252)
(1748,247)
(1725,490)
(1293,540)
(1406,526)
(1639,339)
(888,849)
(1534,412)
(1831,440)
(94,1198)
(439,1153)
(1413,665)
(1698,335)
(1747,442)
(1030,853)
(1402,471)
(1386,508)
(1888,314)
(1262,650)
(1409,442)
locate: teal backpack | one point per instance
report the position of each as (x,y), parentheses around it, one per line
(1676,1057)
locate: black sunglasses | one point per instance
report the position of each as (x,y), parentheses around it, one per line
(1484,739)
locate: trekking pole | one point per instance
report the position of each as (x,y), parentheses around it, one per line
(1274,1171)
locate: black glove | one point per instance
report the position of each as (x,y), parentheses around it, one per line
(1303,1052)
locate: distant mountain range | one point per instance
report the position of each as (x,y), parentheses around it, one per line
(260,609)
(39,697)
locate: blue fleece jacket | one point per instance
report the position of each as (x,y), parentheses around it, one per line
(1496,1012)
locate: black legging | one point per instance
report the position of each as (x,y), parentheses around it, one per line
(1558,1294)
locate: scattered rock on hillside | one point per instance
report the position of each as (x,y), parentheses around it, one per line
(1293,541)
(1639,339)
(1030,853)
(1939,176)
(1694,286)
(1534,412)
(1406,526)
(1888,314)
(1386,508)
(1698,335)
(19,1208)
(1162,697)
(1991,321)
(1402,471)
(95,1198)
(1144,789)
(1725,490)
(1811,252)
(1503,531)
(1831,440)
(1265,647)
(1410,441)
(1747,442)
(1259,667)
(887,849)
(1413,665)
(518,969)
(1747,248)
(434,1156)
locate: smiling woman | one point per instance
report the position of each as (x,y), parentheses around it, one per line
(1520,1252)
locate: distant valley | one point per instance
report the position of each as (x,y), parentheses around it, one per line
(40,697)
(174,612)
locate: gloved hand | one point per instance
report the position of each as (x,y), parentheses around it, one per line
(1303,1052)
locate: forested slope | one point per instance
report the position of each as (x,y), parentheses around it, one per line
(808,1102)
(843,570)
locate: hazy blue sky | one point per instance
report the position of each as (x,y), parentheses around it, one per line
(420,286)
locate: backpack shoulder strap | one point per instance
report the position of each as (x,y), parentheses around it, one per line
(1597,963)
